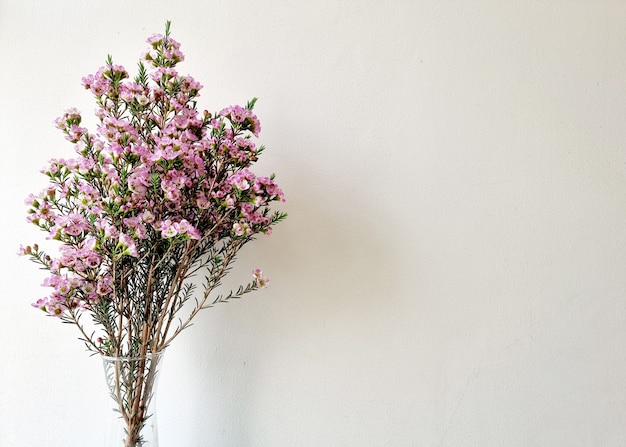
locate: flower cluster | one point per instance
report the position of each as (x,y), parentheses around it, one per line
(158,193)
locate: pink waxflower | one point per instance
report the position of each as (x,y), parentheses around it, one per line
(147,217)
(261,281)
(103,288)
(202,201)
(31,200)
(23,251)
(194,233)
(155,40)
(183,226)
(93,259)
(128,245)
(155,194)
(243,116)
(242,228)
(55,308)
(168,229)
(87,81)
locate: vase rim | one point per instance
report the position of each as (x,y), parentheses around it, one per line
(148,355)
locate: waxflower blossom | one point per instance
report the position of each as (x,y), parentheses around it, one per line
(260,280)
(156,194)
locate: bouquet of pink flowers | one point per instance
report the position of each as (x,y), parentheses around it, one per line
(158,195)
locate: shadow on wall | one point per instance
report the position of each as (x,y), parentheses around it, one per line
(332,274)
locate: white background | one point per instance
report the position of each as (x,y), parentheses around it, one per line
(452,272)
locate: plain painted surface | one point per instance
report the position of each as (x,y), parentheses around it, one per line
(452,270)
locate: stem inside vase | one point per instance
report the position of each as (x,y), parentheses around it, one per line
(132,384)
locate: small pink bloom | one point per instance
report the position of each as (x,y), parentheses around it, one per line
(147,217)
(261,281)
(168,229)
(130,248)
(155,39)
(25,250)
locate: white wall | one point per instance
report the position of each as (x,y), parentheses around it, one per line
(452,270)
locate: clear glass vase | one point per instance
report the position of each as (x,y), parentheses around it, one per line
(132,383)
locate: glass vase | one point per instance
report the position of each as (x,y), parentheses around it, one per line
(132,383)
